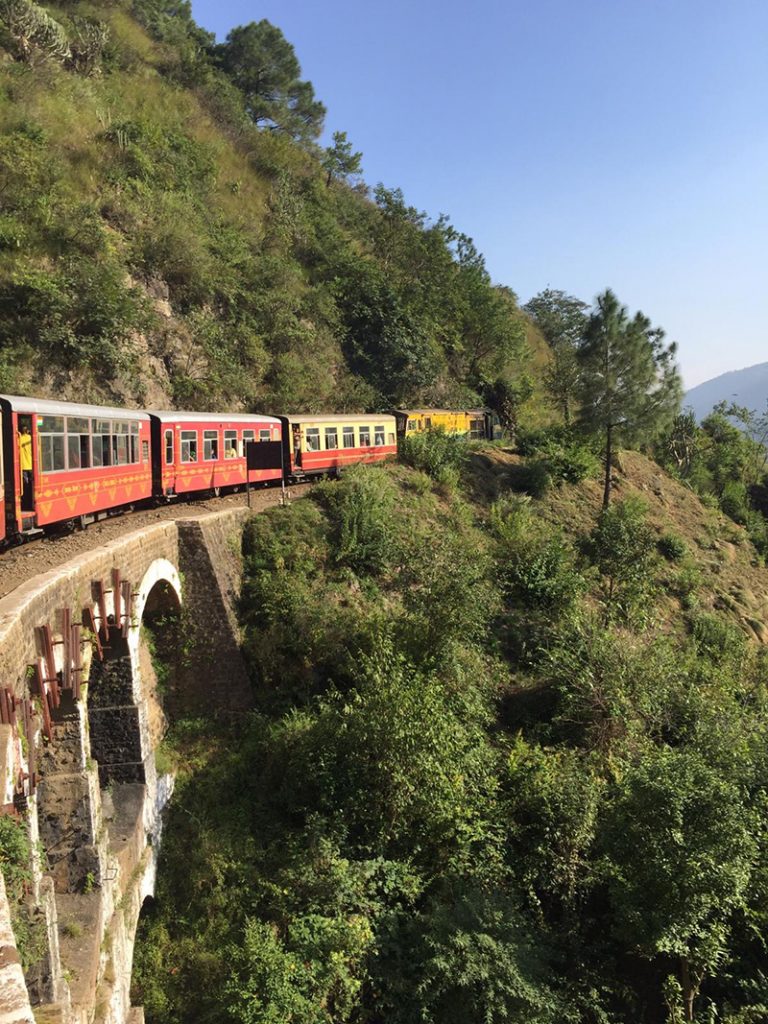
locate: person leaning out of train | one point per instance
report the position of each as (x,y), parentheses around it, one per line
(25,462)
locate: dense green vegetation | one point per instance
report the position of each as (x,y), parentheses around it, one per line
(171,228)
(487,778)
(502,767)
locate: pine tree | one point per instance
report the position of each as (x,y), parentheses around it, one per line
(630,387)
(339,160)
(263,65)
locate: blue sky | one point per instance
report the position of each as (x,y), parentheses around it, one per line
(581,143)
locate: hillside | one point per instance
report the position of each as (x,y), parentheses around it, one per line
(747,387)
(161,245)
(507,763)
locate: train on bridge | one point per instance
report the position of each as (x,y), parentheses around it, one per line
(64,464)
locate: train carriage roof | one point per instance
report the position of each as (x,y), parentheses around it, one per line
(48,407)
(442,412)
(372,418)
(169,416)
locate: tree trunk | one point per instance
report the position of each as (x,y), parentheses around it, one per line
(689,988)
(608,461)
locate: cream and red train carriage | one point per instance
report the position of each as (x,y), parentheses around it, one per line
(199,451)
(64,462)
(318,444)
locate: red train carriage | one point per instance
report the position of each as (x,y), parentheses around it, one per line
(69,462)
(198,451)
(315,444)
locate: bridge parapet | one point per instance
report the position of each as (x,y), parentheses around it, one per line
(78,731)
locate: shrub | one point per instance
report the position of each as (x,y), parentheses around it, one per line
(570,463)
(536,564)
(434,451)
(360,508)
(531,477)
(719,639)
(623,549)
(734,501)
(672,546)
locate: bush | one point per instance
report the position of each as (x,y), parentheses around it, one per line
(531,477)
(570,463)
(360,508)
(719,639)
(536,565)
(672,546)
(434,452)
(623,549)
(734,501)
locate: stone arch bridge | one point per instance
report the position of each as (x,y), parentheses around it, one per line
(80,722)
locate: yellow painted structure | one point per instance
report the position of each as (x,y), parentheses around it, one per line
(471,423)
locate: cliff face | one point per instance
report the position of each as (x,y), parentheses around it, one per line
(157,247)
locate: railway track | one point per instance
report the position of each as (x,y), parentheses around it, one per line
(22,563)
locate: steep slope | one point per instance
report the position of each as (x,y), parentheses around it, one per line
(747,387)
(158,247)
(721,565)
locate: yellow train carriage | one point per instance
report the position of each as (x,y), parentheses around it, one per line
(475,424)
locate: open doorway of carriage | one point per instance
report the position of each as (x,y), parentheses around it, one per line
(26,482)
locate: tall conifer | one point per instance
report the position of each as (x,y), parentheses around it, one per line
(630,387)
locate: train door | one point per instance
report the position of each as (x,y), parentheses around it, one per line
(25,478)
(169,460)
(297,444)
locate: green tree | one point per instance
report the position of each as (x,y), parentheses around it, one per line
(630,387)
(505,397)
(340,161)
(263,65)
(679,849)
(562,319)
(623,548)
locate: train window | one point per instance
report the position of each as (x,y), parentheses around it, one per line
(120,450)
(391,439)
(477,429)
(134,442)
(210,445)
(189,446)
(331,438)
(427,422)
(365,437)
(312,436)
(102,445)
(378,436)
(412,425)
(52,452)
(73,451)
(230,444)
(265,435)
(51,425)
(248,435)
(169,447)
(78,442)
(145,451)
(348,437)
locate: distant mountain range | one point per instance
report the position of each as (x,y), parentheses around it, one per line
(747,387)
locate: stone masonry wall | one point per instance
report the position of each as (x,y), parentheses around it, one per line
(94,837)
